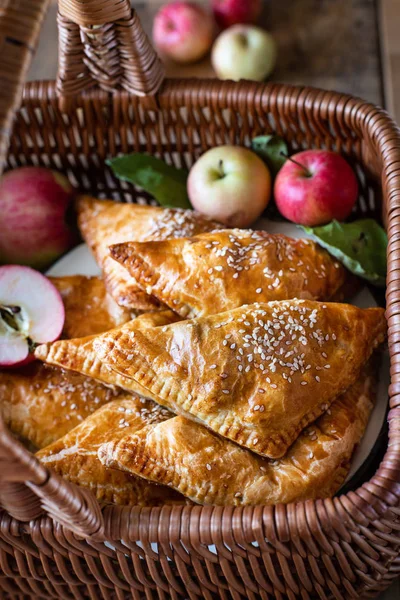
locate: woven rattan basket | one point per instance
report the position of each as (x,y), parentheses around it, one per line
(55,539)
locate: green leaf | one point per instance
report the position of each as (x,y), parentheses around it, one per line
(272,149)
(360,246)
(167,184)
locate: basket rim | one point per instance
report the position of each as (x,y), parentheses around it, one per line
(374,498)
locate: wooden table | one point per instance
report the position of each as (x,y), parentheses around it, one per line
(327,43)
(347,45)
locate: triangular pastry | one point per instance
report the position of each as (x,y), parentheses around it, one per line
(105,222)
(39,403)
(213,272)
(258,374)
(88,308)
(209,469)
(75,455)
(79,354)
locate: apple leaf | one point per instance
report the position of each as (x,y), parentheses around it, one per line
(360,246)
(166,183)
(272,149)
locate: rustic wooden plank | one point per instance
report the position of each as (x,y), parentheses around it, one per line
(389,22)
(325,43)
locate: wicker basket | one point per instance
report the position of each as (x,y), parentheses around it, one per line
(55,539)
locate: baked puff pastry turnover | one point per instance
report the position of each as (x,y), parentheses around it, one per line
(105,222)
(209,469)
(258,374)
(79,354)
(75,455)
(218,271)
(89,309)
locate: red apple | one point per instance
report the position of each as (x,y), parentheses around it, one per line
(230,184)
(31,312)
(230,12)
(183,31)
(315,187)
(33,204)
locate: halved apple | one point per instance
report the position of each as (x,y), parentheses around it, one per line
(31,312)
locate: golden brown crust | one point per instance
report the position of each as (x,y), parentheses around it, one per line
(105,222)
(258,374)
(211,470)
(214,272)
(75,455)
(41,403)
(79,355)
(88,308)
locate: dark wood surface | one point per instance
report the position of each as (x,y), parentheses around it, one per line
(325,43)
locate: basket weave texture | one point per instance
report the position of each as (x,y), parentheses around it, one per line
(55,539)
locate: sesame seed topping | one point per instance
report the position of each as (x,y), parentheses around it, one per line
(213,367)
(208,467)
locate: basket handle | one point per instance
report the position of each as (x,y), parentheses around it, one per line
(28,490)
(20,23)
(102,44)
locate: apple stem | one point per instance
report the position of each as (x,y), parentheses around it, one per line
(32,345)
(221,168)
(306,171)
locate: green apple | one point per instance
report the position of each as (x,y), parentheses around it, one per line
(230,184)
(244,52)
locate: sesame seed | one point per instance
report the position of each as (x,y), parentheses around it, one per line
(225,391)
(255,441)
(261,391)
(303,383)
(257,407)
(317,379)
(327,366)
(258,290)
(208,467)
(213,367)
(238,495)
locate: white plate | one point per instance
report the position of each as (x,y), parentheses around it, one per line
(80,262)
